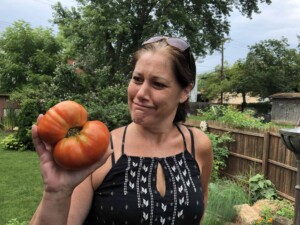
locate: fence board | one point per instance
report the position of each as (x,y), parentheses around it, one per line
(259,152)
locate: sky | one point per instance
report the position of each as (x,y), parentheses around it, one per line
(280,19)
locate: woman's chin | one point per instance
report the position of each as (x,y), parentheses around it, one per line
(138,117)
(138,120)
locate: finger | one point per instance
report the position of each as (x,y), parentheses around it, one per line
(39,118)
(48,147)
(38,143)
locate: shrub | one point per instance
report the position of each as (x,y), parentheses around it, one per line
(220,149)
(10,120)
(10,142)
(109,105)
(232,116)
(28,114)
(223,195)
(260,107)
(281,208)
(114,115)
(261,188)
(286,209)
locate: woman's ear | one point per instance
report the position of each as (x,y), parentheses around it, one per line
(186,93)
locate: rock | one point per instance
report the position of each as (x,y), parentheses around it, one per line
(246,214)
(282,221)
(265,204)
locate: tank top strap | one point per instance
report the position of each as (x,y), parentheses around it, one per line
(123,139)
(183,137)
(112,148)
(184,141)
(192,142)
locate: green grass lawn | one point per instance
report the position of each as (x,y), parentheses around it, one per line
(20,185)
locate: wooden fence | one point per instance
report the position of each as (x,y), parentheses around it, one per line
(261,152)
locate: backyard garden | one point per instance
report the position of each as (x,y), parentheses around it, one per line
(87,61)
(21,184)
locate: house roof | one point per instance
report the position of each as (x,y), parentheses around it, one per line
(286,95)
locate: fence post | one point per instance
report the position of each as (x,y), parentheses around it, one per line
(266,149)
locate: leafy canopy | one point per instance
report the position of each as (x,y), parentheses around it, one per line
(271,66)
(107,32)
(24,53)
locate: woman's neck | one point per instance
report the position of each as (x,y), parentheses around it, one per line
(154,134)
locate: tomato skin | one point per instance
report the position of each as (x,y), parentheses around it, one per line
(77,151)
(84,149)
(57,121)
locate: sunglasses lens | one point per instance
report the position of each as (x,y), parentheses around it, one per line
(178,43)
(175,42)
(153,39)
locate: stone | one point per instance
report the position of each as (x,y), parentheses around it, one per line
(282,221)
(265,204)
(246,214)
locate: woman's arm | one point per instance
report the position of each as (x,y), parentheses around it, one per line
(59,185)
(204,158)
(53,209)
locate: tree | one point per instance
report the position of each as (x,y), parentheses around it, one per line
(238,80)
(26,54)
(213,84)
(272,67)
(107,32)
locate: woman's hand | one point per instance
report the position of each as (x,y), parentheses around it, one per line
(55,178)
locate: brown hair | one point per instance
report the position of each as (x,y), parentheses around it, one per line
(183,66)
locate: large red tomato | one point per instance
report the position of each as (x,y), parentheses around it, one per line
(78,142)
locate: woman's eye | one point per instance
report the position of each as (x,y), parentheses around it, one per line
(137,79)
(159,85)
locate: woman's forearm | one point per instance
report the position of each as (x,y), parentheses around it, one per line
(53,209)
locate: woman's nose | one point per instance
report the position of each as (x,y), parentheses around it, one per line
(143,91)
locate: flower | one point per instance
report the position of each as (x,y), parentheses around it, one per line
(263,221)
(203,125)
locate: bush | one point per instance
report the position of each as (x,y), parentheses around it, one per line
(281,208)
(223,195)
(261,188)
(28,114)
(220,149)
(10,142)
(232,116)
(260,107)
(286,209)
(114,115)
(109,105)
(10,120)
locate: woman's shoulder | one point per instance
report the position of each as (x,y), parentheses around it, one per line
(117,135)
(202,141)
(116,139)
(118,132)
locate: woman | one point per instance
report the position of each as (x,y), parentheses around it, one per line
(156,170)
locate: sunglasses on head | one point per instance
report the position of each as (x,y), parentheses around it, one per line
(175,42)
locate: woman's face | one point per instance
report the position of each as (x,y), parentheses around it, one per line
(153,91)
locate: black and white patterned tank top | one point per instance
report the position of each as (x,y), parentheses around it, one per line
(128,194)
